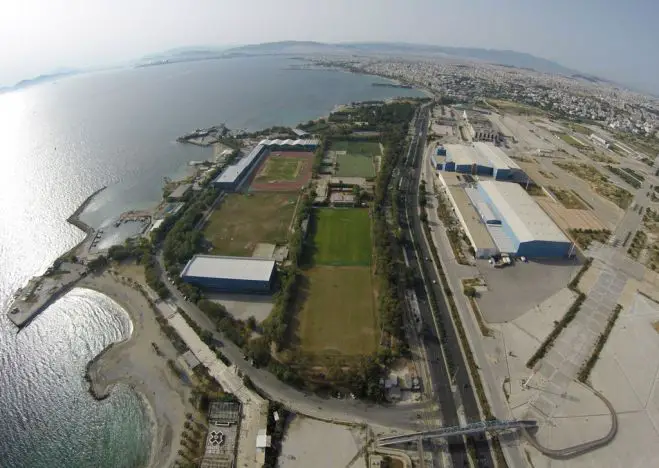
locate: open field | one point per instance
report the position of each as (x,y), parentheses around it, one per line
(570,218)
(598,182)
(568,198)
(242,221)
(585,237)
(283,171)
(356,158)
(579,128)
(570,140)
(339,314)
(341,237)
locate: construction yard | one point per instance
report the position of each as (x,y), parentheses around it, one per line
(242,221)
(356,158)
(338,314)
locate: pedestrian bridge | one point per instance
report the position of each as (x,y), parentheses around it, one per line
(473,428)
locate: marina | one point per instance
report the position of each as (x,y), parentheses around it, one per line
(204,136)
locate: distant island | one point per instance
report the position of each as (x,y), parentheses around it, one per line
(39,80)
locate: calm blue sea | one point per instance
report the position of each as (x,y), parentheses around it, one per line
(58,143)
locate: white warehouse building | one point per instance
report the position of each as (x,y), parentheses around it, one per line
(481,159)
(530,231)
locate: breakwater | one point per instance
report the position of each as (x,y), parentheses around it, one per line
(58,280)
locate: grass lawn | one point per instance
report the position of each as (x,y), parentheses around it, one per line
(242,221)
(341,236)
(339,314)
(279,169)
(358,159)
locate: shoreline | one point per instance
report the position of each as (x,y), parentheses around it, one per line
(134,363)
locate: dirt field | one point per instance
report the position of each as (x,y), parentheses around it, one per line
(342,237)
(598,182)
(570,218)
(568,198)
(283,171)
(242,221)
(339,315)
(356,158)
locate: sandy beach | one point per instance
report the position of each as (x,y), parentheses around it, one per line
(134,362)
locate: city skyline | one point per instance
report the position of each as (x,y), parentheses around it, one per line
(612,42)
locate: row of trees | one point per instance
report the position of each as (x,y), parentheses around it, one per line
(275,327)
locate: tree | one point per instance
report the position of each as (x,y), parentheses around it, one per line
(259,350)
(469,291)
(251,323)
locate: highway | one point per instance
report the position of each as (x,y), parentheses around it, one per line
(463,401)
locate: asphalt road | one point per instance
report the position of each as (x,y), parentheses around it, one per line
(395,417)
(464,400)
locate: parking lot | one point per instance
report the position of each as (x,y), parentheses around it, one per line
(514,290)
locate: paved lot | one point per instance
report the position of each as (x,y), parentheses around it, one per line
(311,443)
(242,306)
(629,380)
(514,290)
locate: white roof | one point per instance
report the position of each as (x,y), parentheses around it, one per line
(156,224)
(524,216)
(289,142)
(235,171)
(238,268)
(465,155)
(498,159)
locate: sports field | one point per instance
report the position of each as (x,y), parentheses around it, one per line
(342,237)
(355,158)
(339,315)
(283,171)
(242,221)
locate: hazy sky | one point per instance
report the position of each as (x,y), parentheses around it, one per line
(614,39)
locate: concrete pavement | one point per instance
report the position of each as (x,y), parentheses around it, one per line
(492,382)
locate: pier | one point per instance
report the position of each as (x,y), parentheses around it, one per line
(60,278)
(204,136)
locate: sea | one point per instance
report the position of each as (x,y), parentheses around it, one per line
(61,141)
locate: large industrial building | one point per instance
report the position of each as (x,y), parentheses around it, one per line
(232,178)
(479,159)
(230,274)
(531,231)
(501,217)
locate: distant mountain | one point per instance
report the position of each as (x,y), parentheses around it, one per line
(501,57)
(183,54)
(41,79)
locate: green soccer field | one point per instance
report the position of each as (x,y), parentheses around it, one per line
(339,315)
(358,158)
(342,237)
(279,169)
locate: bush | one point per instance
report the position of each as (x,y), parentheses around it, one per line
(469,291)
